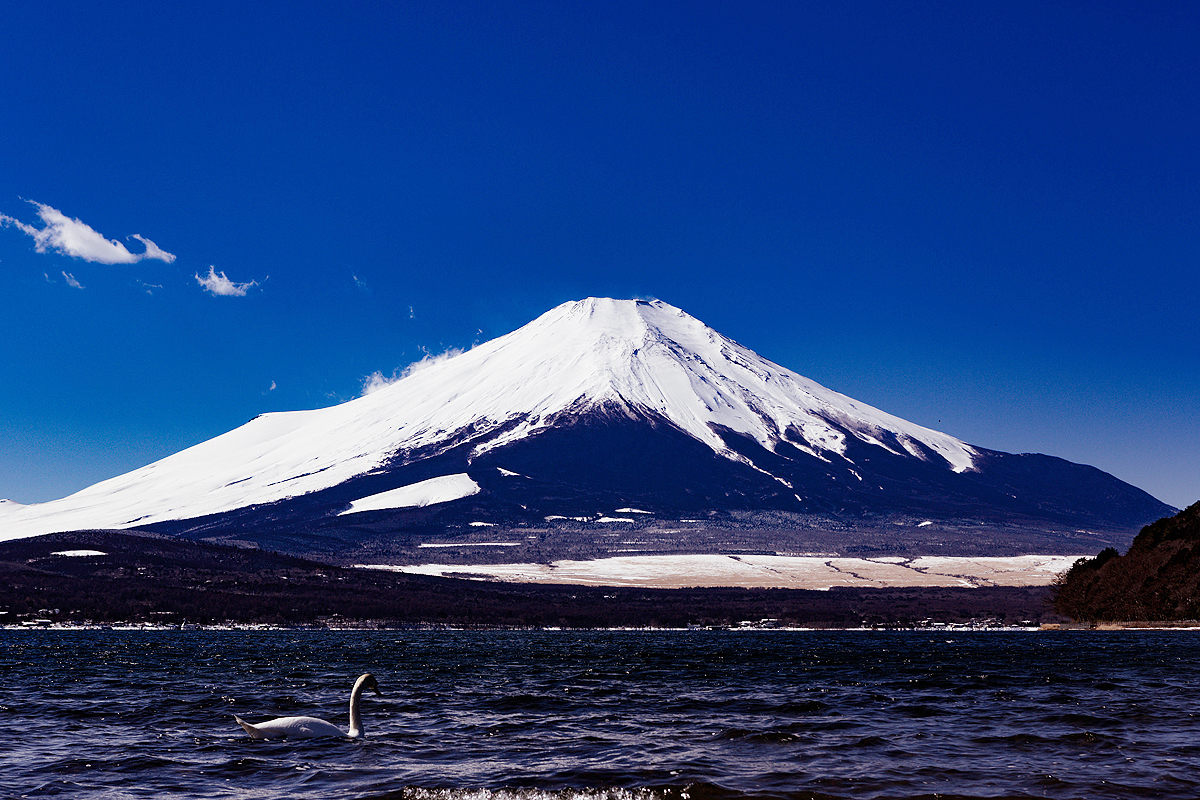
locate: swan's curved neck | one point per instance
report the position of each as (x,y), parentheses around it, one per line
(355,718)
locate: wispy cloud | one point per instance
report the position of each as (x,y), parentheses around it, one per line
(377,380)
(218,284)
(153,250)
(75,238)
(70,279)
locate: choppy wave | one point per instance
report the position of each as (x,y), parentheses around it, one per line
(564,715)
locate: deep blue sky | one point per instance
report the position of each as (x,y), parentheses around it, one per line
(982,217)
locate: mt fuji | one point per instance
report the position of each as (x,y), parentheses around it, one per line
(600,412)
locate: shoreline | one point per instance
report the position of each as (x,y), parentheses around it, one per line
(362,626)
(371,625)
(1131,625)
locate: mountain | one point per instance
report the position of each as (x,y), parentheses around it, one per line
(598,410)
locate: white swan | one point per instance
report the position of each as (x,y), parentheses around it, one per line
(310,727)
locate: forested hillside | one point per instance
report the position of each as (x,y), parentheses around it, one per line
(1157,579)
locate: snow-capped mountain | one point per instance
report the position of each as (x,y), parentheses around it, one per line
(597,404)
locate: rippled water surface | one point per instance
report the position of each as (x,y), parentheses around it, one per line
(558,714)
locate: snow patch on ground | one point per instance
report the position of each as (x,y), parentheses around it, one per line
(424,493)
(79,553)
(757,571)
(469,544)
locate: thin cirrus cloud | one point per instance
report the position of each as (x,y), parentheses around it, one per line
(218,284)
(75,238)
(68,278)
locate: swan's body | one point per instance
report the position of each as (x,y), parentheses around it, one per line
(311,727)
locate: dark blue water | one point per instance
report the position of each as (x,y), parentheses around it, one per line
(680,715)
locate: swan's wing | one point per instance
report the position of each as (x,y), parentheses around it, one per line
(291,728)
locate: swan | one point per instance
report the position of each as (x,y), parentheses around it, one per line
(311,727)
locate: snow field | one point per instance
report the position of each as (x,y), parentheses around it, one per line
(424,493)
(757,571)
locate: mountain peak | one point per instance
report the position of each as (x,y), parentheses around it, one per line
(651,356)
(601,327)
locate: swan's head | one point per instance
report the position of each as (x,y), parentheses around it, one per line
(368,682)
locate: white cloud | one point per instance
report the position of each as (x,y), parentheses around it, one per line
(75,238)
(218,284)
(377,380)
(70,279)
(430,360)
(153,250)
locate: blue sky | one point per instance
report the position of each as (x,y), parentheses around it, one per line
(982,217)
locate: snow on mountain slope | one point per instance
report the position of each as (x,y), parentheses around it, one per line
(652,356)
(637,355)
(423,493)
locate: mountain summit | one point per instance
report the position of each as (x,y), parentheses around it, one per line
(597,405)
(640,358)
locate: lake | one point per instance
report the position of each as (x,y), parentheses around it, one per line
(684,715)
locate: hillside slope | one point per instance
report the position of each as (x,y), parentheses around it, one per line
(1157,579)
